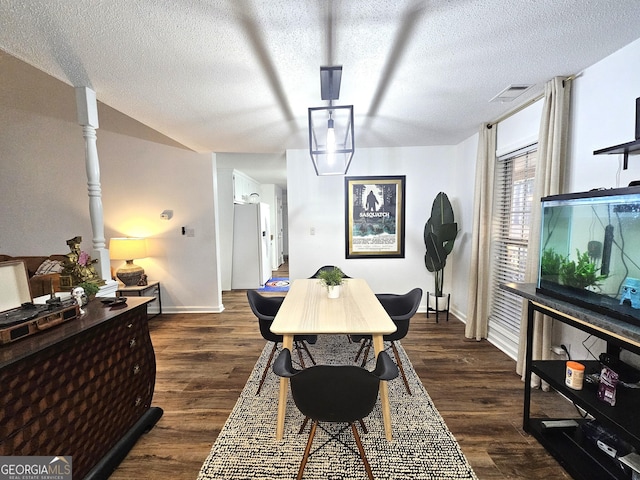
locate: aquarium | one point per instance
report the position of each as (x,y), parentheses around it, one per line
(590,251)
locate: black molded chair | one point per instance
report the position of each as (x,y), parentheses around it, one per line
(265,308)
(400,308)
(336,394)
(327,267)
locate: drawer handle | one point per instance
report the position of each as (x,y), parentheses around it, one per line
(136,369)
(138,401)
(132,343)
(130,325)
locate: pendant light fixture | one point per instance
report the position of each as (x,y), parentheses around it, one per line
(331,143)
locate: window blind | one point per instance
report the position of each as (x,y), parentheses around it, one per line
(513,196)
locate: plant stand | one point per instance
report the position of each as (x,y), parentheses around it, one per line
(437,309)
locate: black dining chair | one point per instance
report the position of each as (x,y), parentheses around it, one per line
(400,308)
(335,394)
(327,267)
(265,309)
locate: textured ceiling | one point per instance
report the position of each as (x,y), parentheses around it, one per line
(239,75)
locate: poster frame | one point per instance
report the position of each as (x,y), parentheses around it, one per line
(393,187)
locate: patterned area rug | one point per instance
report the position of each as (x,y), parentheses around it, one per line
(422,447)
(276,285)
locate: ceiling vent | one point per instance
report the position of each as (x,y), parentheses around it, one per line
(510,93)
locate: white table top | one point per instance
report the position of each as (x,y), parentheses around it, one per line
(307,309)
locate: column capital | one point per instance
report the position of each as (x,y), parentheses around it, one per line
(87,107)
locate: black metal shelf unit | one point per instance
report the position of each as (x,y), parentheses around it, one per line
(577,454)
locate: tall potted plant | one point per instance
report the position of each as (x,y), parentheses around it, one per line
(440,233)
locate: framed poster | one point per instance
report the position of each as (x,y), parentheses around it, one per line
(374,217)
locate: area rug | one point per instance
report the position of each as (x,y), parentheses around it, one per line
(422,446)
(275,285)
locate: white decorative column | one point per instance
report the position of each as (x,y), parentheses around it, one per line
(87,108)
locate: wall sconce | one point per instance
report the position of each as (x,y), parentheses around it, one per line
(128,249)
(331,141)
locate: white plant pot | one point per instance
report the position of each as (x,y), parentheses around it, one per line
(442,302)
(334,291)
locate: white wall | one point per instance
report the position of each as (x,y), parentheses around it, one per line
(603,115)
(461,196)
(43,187)
(43,191)
(135,192)
(318,203)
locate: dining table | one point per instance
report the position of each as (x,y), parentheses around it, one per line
(308,310)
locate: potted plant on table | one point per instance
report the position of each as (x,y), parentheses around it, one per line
(332,278)
(440,233)
(90,290)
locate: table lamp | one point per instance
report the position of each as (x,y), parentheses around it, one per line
(128,249)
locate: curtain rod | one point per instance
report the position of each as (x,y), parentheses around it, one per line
(525,104)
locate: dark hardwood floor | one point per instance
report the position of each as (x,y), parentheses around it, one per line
(204,360)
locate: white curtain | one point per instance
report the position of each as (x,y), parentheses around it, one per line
(479,270)
(550,169)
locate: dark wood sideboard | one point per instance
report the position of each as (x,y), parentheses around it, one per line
(83,388)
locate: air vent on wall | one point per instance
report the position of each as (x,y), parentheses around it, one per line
(510,93)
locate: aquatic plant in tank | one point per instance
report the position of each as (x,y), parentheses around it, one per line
(550,264)
(581,273)
(589,254)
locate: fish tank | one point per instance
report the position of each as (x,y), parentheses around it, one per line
(590,251)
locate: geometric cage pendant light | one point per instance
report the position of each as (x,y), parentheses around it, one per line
(331,141)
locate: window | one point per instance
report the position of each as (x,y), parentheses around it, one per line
(513,187)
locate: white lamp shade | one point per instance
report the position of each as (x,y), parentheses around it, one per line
(127,248)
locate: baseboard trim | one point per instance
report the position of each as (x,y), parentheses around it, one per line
(192,309)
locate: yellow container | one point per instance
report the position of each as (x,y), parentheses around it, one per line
(574,375)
